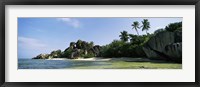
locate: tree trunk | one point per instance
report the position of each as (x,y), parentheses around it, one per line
(137,31)
(146,31)
(85,52)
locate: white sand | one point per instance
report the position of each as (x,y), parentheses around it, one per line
(83,59)
(58,59)
(103,59)
(93,59)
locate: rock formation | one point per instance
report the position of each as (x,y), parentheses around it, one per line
(75,54)
(96,50)
(74,51)
(42,56)
(165,45)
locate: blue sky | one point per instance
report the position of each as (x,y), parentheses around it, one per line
(43,35)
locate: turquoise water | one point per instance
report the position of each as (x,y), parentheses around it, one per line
(55,64)
(78,64)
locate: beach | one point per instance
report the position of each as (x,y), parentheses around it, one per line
(83,59)
(127,59)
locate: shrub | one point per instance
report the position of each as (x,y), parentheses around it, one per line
(174,27)
(67,52)
(89,55)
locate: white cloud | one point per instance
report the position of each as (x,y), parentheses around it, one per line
(72,22)
(30,43)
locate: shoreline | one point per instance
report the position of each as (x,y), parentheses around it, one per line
(106,59)
(102,59)
(83,59)
(57,59)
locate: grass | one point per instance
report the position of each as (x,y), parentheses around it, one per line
(130,65)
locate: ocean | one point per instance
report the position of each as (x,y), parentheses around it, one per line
(56,64)
(115,63)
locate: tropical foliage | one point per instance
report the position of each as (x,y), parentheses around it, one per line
(174,27)
(146,25)
(124,36)
(136,26)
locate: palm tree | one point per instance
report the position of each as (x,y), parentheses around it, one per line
(133,39)
(146,25)
(124,36)
(136,26)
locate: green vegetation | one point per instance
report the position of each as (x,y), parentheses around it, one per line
(124,36)
(136,26)
(126,65)
(55,54)
(146,25)
(174,27)
(133,48)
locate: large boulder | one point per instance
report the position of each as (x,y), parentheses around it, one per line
(56,54)
(75,54)
(165,45)
(96,50)
(174,51)
(42,56)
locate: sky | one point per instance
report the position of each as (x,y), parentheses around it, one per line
(43,35)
